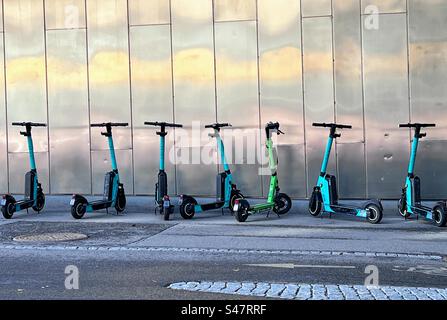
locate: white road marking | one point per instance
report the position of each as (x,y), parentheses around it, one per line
(297,266)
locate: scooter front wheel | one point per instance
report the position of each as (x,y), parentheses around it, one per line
(187,208)
(403,208)
(375,214)
(440,216)
(283,204)
(40,202)
(8,210)
(315,204)
(78,209)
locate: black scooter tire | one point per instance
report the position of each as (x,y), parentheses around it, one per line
(440,216)
(286,203)
(315,205)
(78,209)
(233,199)
(375,214)
(40,202)
(241,216)
(8,210)
(187,208)
(402,206)
(120,205)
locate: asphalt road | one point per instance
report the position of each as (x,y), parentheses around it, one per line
(123,275)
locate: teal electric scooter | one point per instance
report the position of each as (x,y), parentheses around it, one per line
(410,202)
(279,203)
(325,196)
(114,195)
(34,196)
(227,192)
(162,199)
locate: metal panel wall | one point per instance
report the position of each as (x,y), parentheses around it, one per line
(70,170)
(316,8)
(194,87)
(3,125)
(280,70)
(109,69)
(386,6)
(428,76)
(238,98)
(318,91)
(144,12)
(26,86)
(386,105)
(349,98)
(232,10)
(152,101)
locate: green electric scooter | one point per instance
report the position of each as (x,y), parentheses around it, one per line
(279,203)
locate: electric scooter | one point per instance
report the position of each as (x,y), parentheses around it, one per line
(162,200)
(227,192)
(114,195)
(325,196)
(34,196)
(280,203)
(410,202)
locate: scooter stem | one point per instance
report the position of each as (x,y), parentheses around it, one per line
(327,155)
(112,153)
(162,152)
(32,159)
(414,149)
(221,149)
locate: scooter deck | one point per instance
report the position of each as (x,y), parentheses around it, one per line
(211,206)
(421,210)
(340,208)
(261,207)
(99,205)
(24,204)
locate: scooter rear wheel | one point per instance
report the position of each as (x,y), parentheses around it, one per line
(8,210)
(439,216)
(187,208)
(375,214)
(233,199)
(78,209)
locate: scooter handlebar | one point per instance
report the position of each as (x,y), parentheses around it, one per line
(163,124)
(332,125)
(109,124)
(30,124)
(218,125)
(417,125)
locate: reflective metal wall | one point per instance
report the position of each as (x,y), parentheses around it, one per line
(369,63)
